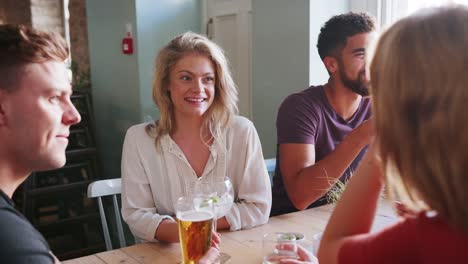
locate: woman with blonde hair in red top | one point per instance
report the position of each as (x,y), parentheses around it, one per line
(419,89)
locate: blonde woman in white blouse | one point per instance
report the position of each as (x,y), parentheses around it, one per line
(197,138)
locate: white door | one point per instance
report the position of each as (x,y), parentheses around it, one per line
(228,23)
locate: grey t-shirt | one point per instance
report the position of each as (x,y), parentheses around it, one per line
(20,242)
(308,118)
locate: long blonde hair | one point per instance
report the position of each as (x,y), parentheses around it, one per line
(420,98)
(224,104)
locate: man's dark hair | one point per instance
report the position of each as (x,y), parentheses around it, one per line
(335,32)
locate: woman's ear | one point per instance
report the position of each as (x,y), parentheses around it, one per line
(167,86)
(331,64)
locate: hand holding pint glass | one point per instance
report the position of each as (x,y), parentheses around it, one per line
(195,219)
(221,194)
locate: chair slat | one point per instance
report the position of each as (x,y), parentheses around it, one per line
(102,188)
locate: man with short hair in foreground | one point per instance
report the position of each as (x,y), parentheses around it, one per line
(35,117)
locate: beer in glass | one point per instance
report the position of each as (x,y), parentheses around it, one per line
(195,221)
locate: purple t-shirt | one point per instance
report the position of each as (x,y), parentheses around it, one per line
(308,118)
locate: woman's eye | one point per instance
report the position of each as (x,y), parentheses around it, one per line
(209,79)
(185,78)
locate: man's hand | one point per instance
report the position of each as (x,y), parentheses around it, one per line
(365,132)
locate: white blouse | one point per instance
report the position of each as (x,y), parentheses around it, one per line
(153,179)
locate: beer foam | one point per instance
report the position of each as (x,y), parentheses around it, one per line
(195,216)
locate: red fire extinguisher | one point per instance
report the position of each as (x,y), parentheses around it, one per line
(127,44)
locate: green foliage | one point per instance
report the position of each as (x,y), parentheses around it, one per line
(81,78)
(335,192)
(337,188)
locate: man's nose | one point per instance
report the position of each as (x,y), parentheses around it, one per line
(365,76)
(71,115)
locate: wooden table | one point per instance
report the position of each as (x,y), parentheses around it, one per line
(244,246)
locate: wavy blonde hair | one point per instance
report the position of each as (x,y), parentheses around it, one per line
(224,105)
(420,102)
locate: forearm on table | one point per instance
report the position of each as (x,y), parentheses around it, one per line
(312,182)
(222,224)
(363,192)
(167,231)
(248,214)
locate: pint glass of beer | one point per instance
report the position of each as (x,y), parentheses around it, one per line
(195,221)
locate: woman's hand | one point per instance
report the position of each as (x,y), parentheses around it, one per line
(215,240)
(212,255)
(403,211)
(305,257)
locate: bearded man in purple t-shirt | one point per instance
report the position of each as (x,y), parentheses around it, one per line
(323,131)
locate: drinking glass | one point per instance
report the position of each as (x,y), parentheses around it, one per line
(221,194)
(195,219)
(316,242)
(277,246)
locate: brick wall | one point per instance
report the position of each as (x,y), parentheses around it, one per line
(79,34)
(48,15)
(2,12)
(15,12)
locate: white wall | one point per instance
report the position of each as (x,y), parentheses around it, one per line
(280,60)
(114,78)
(319,14)
(156,25)
(284,56)
(121,84)
(370,6)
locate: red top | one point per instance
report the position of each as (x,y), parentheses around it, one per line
(421,239)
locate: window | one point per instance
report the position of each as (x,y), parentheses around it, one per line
(392,10)
(414,5)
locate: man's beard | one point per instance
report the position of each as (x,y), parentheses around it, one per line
(358,86)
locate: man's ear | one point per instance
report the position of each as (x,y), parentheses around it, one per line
(331,64)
